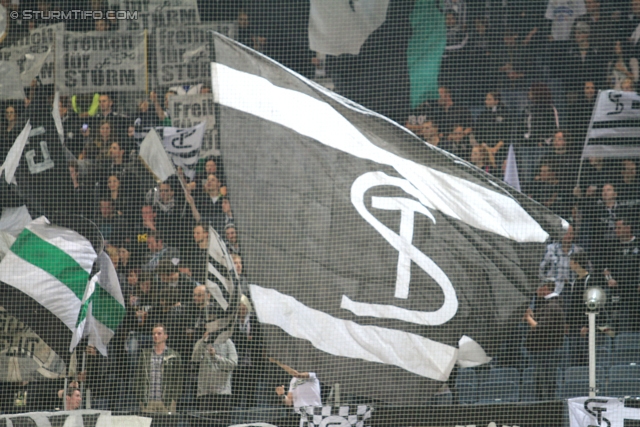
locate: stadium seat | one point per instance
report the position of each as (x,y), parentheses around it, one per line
(504,374)
(528,389)
(624,380)
(498,392)
(626,349)
(576,382)
(467,386)
(603,357)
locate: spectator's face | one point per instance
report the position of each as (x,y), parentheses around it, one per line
(237,262)
(589,90)
(62,109)
(226,206)
(144,106)
(113,183)
(635,7)
(166,193)
(132,278)
(582,37)
(231,234)
(199,296)
(10,114)
(629,171)
(428,130)
(74,401)
(199,235)
(546,174)
(559,143)
(105,131)
(608,193)
(115,152)
(627,85)
(210,167)
(445,96)
(159,335)
(167,97)
(145,287)
(567,239)
(212,185)
(147,214)
(592,6)
(105,103)
(124,255)
(101,25)
(490,101)
(623,231)
(457,135)
(154,244)
(106,209)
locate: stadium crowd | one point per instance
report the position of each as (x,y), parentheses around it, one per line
(526,76)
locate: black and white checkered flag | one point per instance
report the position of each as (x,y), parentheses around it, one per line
(335,416)
(221,283)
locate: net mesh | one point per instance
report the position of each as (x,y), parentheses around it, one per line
(193,233)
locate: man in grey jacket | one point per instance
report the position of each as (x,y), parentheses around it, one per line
(217,359)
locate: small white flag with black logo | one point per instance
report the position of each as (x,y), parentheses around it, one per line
(343,416)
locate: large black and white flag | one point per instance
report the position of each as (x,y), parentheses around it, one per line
(615,126)
(222,285)
(373,253)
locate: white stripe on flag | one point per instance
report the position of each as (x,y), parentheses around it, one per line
(83,317)
(216,293)
(611,151)
(627,132)
(69,241)
(42,287)
(220,276)
(217,248)
(345,338)
(476,205)
(15,153)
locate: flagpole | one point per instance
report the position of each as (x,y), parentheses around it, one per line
(84,361)
(64,393)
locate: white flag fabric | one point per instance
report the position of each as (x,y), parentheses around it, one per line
(50,264)
(55,112)
(600,411)
(615,124)
(10,83)
(3,22)
(183,146)
(155,157)
(12,160)
(103,307)
(14,220)
(511,169)
(329,21)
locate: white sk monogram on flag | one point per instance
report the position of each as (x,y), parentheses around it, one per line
(407,252)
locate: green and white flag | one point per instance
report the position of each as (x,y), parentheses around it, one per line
(103,307)
(44,276)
